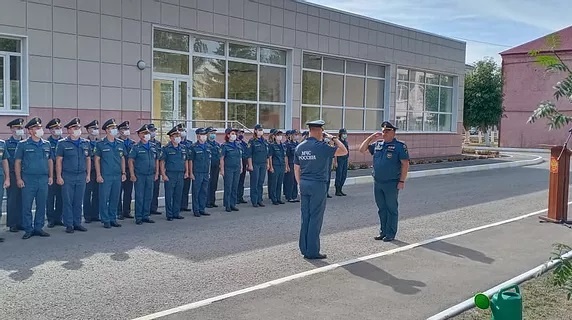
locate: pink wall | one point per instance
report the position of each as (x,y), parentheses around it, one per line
(526,85)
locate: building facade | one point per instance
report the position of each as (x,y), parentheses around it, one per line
(230,63)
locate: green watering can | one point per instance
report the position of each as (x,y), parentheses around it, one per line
(505,304)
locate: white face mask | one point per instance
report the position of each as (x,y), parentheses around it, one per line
(39,133)
(19,132)
(58,132)
(203,137)
(183,133)
(76,133)
(296,138)
(95,132)
(153,134)
(147,137)
(345,136)
(177,139)
(113,132)
(260,133)
(278,138)
(126,132)
(232,137)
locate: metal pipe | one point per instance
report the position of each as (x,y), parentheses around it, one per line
(470,303)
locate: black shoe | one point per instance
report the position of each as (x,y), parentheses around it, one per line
(169,219)
(186,209)
(228,210)
(388,239)
(214,205)
(234,209)
(209,206)
(255,205)
(179,217)
(87,221)
(139,222)
(275,203)
(69,230)
(342,193)
(156,213)
(115,224)
(27,235)
(1,239)
(41,233)
(106,225)
(261,204)
(242,201)
(128,216)
(205,214)
(197,214)
(96,220)
(319,256)
(148,221)
(281,202)
(338,193)
(80,228)
(329,196)
(120,218)
(59,223)
(14,229)
(380,237)
(51,225)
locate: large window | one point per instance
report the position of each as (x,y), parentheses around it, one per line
(343,93)
(12,83)
(424,101)
(228,81)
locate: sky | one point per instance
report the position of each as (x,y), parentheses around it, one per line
(487,26)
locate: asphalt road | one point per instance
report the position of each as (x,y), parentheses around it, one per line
(136,270)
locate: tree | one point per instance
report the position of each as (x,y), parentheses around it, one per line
(483,96)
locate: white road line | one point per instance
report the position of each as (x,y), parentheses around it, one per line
(202,303)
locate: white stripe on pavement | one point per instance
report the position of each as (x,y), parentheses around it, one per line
(205,302)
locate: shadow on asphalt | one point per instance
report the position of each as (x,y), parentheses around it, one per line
(459,251)
(224,234)
(368,271)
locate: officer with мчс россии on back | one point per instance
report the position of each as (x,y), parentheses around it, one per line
(312,171)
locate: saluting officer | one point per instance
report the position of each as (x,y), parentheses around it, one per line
(279,167)
(290,185)
(199,166)
(342,164)
(231,168)
(215,165)
(258,164)
(55,205)
(34,169)
(174,169)
(73,171)
(244,145)
(125,195)
(144,169)
(157,183)
(110,172)
(187,182)
(312,171)
(4,173)
(91,195)
(390,167)
(14,193)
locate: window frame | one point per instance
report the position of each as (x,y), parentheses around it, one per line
(24,76)
(227,58)
(384,106)
(425,83)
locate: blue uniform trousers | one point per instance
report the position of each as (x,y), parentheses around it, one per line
(125,197)
(14,204)
(144,188)
(231,177)
(91,200)
(1,193)
(341,173)
(72,195)
(55,205)
(200,188)
(276,183)
(257,177)
(213,184)
(312,206)
(290,184)
(155,195)
(35,188)
(185,194)
(108,198)
(269,184)
(386,199)
(240,194)
(174,193)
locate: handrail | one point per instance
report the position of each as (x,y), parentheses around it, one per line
(240,124)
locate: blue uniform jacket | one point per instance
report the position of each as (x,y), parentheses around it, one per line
(232,153)
(34,156)
(74,154)
(278,154)
(4,154)
(215,151)
(145,156)
(111,155)
(313,157)
(387,158)
(11,145)
(200,155)
(290,149)
(257,150)
(175,157)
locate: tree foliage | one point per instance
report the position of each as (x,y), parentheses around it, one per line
(550,59)
(483,95)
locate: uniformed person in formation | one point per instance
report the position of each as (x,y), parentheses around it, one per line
(215,167)
(244,145)
(14,193)
(55,201)
(231,168)
(258,164)
(279,167)
(199,167)
(290,185)
(313,175)
(174,170)
(34,169)
(187,182)
(91,195)
(110,172)
(342,164)
(125,195)
(4,173)
(144,169)
(156,183)
(390,167)
(73,171)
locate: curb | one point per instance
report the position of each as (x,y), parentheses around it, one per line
(508,149)
(369,179)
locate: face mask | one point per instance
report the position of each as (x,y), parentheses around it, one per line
(58,132)
(76,133)
(147,137)
(260,133)
(279,138)
(126,132)
(232,137)
(183,133)
(344,136)
(296,138)
(203,137)
(327,140)
(19,132)
(177,139)
(113,132)
(153,134)
(212,136)
(95,132)
(39,133)
(240,137)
